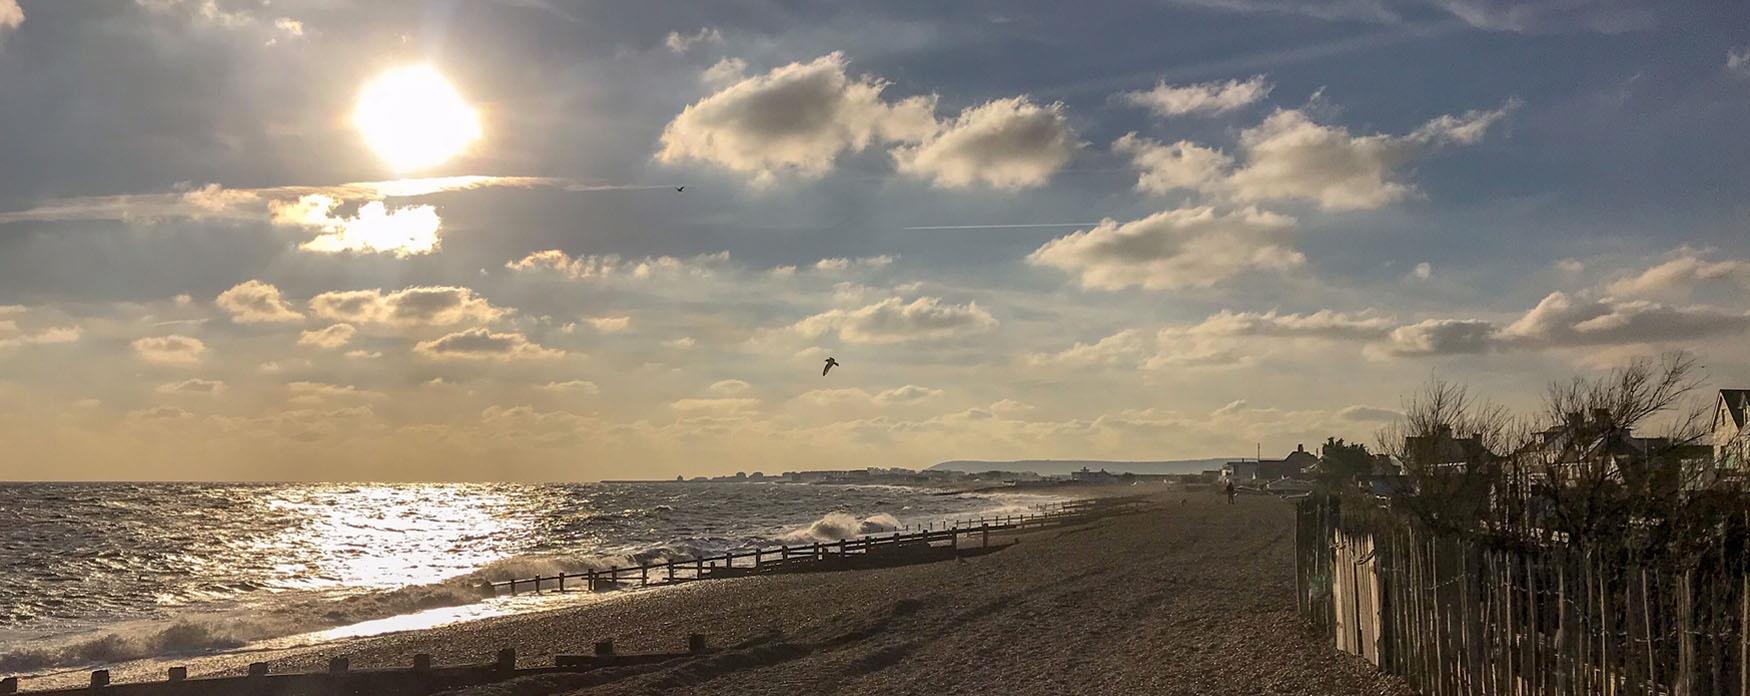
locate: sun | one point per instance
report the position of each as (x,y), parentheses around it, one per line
(414,119)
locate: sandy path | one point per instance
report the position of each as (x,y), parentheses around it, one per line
(1188,598)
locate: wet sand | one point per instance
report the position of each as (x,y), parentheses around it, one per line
(1192,597)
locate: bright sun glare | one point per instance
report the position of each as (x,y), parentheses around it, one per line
(413,118)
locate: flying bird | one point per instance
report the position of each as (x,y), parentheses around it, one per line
(830,364)
(679,189)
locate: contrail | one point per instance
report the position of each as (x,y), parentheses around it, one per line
(1004,227)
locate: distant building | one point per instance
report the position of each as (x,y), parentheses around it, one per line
(1293,466)
(1087,476)
(1443,450)
(1731,441)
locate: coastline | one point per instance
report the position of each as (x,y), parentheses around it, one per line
(1193,596)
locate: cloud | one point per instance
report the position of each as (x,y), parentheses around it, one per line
(404,231)
(12,337)
(1005,143)
(1680,275)
(842,264)
(797,118)
(170,350)
(609,324)
(1423,271)
(1368,413)
(682,343)
(11,15)
(309,393)
(1205,97)
(715,406)
(1127,346)
(1291,157)
(1561,320)
(907,395)
(329,337)
(253,302)
(414,306)
(1174,249)
(893,321)
(612,266)
(1443,337)
(724,72)
(1167,168)
(1325,324)
(728,387)
(481,344)
(1738,61)
(1521,16)
(681,43)
(209,387)
(577,385)
(1010,407)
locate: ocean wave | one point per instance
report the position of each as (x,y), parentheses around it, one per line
(841,525)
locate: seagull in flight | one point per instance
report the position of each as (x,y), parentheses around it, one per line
(679,189)
(830,364)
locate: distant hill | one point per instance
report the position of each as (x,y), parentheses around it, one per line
(1064,466)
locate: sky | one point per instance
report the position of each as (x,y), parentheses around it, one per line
(338,240)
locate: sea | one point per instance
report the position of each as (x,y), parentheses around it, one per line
(97,573)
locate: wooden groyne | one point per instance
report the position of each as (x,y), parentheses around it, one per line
(909,544)
(419,679)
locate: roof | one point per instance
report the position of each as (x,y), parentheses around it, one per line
(1737,402)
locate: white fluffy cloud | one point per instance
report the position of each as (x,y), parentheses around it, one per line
(375,228)
(908,395)
(610,324)
(578,386)
(1561,320)
(1291,157)
(481,344)
(254,302)
(1181,248)
(1206,97)
(415,306)
(11,336)
(681,43)
(208,387)
(11,15)
(894,320)
(1006,144)
(329,337)
(1681,274)
(1738,60)
(728,387)
(170,350)
(797,118)
(590,266)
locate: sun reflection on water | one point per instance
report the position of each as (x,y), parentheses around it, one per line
(390,536)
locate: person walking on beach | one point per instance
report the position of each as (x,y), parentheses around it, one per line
(1229,489)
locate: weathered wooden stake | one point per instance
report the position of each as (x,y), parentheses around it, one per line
(506,660)
(696,643)
(9,685)
(422,662)
(604,648)
(339,665)
(258,669)
(99,678)
(176,674)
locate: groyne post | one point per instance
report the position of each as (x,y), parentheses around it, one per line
(422,662)
(99,678)
(695,643)
(604,648)
(258,669)
(339,665)
(506,660)
(175,674)
(9,685)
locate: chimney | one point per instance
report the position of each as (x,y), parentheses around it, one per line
(1300,448)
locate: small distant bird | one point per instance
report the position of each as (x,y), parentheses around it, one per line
(830,364)
(679,189)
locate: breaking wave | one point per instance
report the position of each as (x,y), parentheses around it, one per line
(841,525)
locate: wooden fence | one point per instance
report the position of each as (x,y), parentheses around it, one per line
(1489,616)
(938,538)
